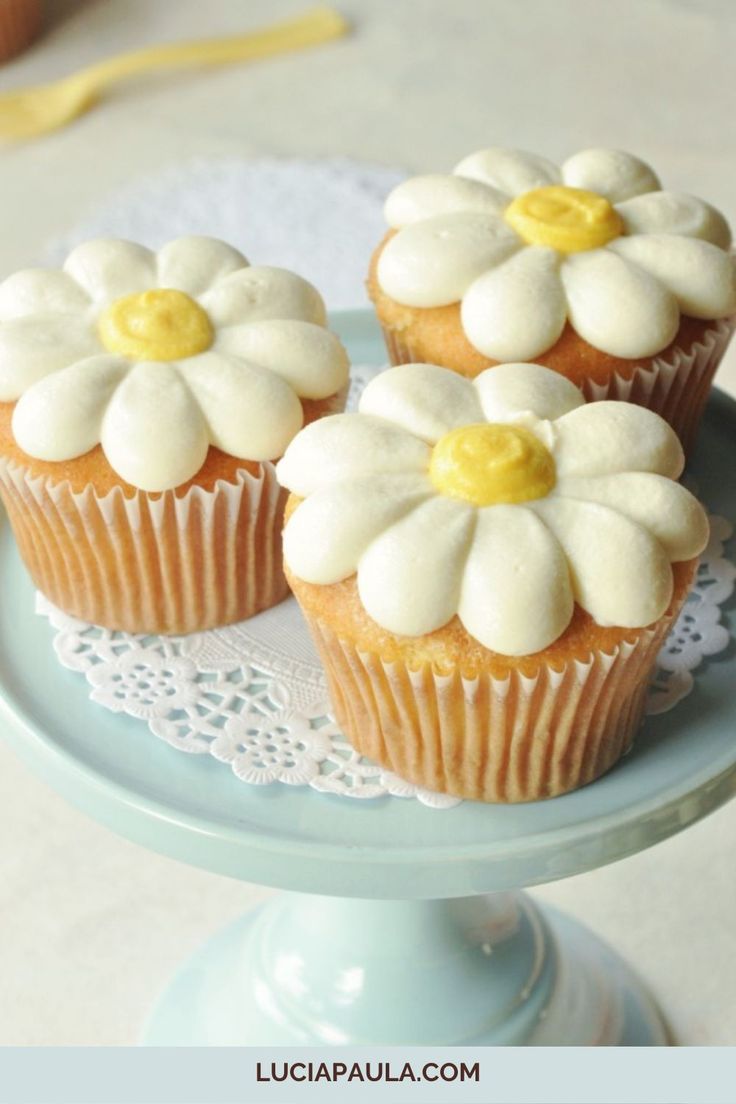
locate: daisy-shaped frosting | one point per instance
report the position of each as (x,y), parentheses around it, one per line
(157,356)
(504,500)
(526,246)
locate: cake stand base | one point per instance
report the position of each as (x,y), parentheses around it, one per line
(474,971)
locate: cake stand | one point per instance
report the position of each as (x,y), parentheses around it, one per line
(405,924)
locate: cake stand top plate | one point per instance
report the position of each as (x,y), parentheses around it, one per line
(192,808)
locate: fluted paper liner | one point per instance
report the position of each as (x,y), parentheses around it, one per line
(500,740)
(676,387)
(144,564)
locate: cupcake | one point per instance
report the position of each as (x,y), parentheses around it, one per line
(590,269)
(489,569)
(144,398)
(20,22)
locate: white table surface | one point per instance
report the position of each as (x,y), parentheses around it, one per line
(91,926)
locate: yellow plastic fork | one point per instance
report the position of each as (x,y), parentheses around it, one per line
(33,111)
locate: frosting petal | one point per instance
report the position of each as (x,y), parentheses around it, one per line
(600,438)
(348,447)
(612,173)
(620,573)
(701,276)
(409,577)
(511,389)
(665,508)
(310,358)
(603,529)
(423,399)
(675,213)
(109,268)
(193,263)
(34,346)
(234,380)
(510,171)
(513,304)
(516,310)
(515,565)
(328,533)
(617,306)
(60,417)
(137,434)
(251,412)
(433,262)
(260,292)
(41,291)
(424,197)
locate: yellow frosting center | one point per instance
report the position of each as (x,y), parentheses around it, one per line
(567,219)
(163,324)
(490,463)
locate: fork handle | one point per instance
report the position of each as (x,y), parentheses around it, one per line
(316,25)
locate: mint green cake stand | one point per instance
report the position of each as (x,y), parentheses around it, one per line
(406,926)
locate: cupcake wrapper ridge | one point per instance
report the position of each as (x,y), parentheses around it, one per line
(498,740)
(157,565)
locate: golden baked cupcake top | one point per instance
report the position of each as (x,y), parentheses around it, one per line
(526,247)
(157,356)
(505,500)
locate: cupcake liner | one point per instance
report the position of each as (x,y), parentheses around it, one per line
(502,740)
(675,387)
(20,21)
(161,565)
(399,350)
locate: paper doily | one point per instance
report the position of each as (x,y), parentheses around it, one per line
(253,695)
(322,219)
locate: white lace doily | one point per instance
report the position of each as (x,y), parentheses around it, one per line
(322,219)
(253,695)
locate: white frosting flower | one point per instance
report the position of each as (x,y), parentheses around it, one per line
(504,500)
(527,246)
(157,356)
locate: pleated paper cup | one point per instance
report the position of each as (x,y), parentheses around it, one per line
(676,386)
(152,564)
(514,739)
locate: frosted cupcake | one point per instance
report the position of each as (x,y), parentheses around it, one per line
(489,569)
(591,269)
(143,400)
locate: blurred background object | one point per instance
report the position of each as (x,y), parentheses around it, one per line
(20,22)
(31,112)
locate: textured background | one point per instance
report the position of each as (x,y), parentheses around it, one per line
(92,926)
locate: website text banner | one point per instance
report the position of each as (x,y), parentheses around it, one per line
(392,1075)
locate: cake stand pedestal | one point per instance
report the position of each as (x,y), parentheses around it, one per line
(492,970)
(404,924)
